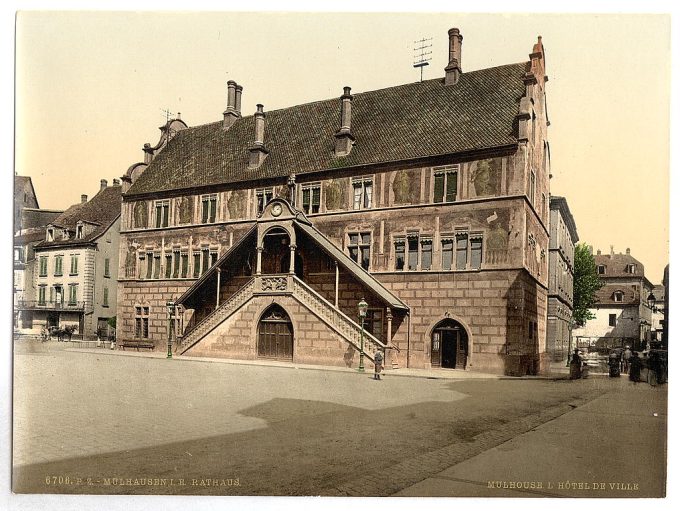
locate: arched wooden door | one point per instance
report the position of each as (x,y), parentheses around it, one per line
(275,335)
(449,348)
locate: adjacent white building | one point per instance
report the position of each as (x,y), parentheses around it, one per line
(623,316)
(76,267)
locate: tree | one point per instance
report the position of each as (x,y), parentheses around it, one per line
(586,283)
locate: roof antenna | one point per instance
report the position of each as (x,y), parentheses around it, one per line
(420,56)
(168,117)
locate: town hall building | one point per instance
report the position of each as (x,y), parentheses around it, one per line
(428,202)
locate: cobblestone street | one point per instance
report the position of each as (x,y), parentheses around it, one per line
(98,422)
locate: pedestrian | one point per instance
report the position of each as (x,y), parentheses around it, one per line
(614,365)
(627,354)
(378,364)
(575,366)
(635,367)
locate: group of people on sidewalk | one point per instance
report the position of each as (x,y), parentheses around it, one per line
(626,361)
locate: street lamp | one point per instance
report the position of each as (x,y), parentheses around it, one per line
(363,307)
(651,300)
(171,319)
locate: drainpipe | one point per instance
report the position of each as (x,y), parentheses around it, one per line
(408,340)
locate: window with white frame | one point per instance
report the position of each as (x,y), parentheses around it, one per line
(208,208)
(58,265)
(74,264)
(362,192)
(462,251)
(141,322)
(162,208)
(43,266)
(184,264)
(618,296)
(264,196)
(360,248)
(168,265)
(413,252)
(41,294)
(72,294)
(445,183)
(399,253)
(156,265)
(311,198)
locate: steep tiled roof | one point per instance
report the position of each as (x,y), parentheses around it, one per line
(616,265)
(101,210)
(605,295)
(416,120)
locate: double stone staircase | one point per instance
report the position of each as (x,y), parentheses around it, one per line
(290,285)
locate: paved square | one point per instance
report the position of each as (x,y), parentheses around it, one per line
(98,422)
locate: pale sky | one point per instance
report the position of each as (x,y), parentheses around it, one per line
(90,89)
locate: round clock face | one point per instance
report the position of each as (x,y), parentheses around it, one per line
(277,209)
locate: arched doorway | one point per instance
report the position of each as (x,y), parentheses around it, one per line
(276,245)
(449,347)
(275,335)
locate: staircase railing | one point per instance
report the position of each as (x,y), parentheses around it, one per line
(336,319)
(217,316)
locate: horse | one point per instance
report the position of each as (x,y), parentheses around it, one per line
(59,333)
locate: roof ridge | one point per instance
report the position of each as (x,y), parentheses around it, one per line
(389,87)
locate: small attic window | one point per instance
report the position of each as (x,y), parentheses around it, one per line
(64,234)
(630,268)
(79,232)
(50,234)
(618,296)
(601,269)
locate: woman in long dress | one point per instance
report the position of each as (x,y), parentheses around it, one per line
(575,366)
(635,367)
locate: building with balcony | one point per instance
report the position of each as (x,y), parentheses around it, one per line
(76,267)
(563,238)
(29,229)
(428,200)
(622,313)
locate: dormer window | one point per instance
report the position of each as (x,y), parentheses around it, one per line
(618,296)
(630,268)
(50,234)
(79,232)
(601,269)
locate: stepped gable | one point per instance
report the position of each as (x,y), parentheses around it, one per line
(406,122)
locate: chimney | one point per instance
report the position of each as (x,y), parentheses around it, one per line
(611,250)
(116,181)
(258,152)
(627,251)
(230,114)
(599,252)
(454,69)
(103,184)
(344,140)
(237,103)
(83,199)
(148,153)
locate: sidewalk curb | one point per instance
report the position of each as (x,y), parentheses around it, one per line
(457,376)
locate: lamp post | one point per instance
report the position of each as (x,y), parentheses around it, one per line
(171,319)
(651,301)
(363,307)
